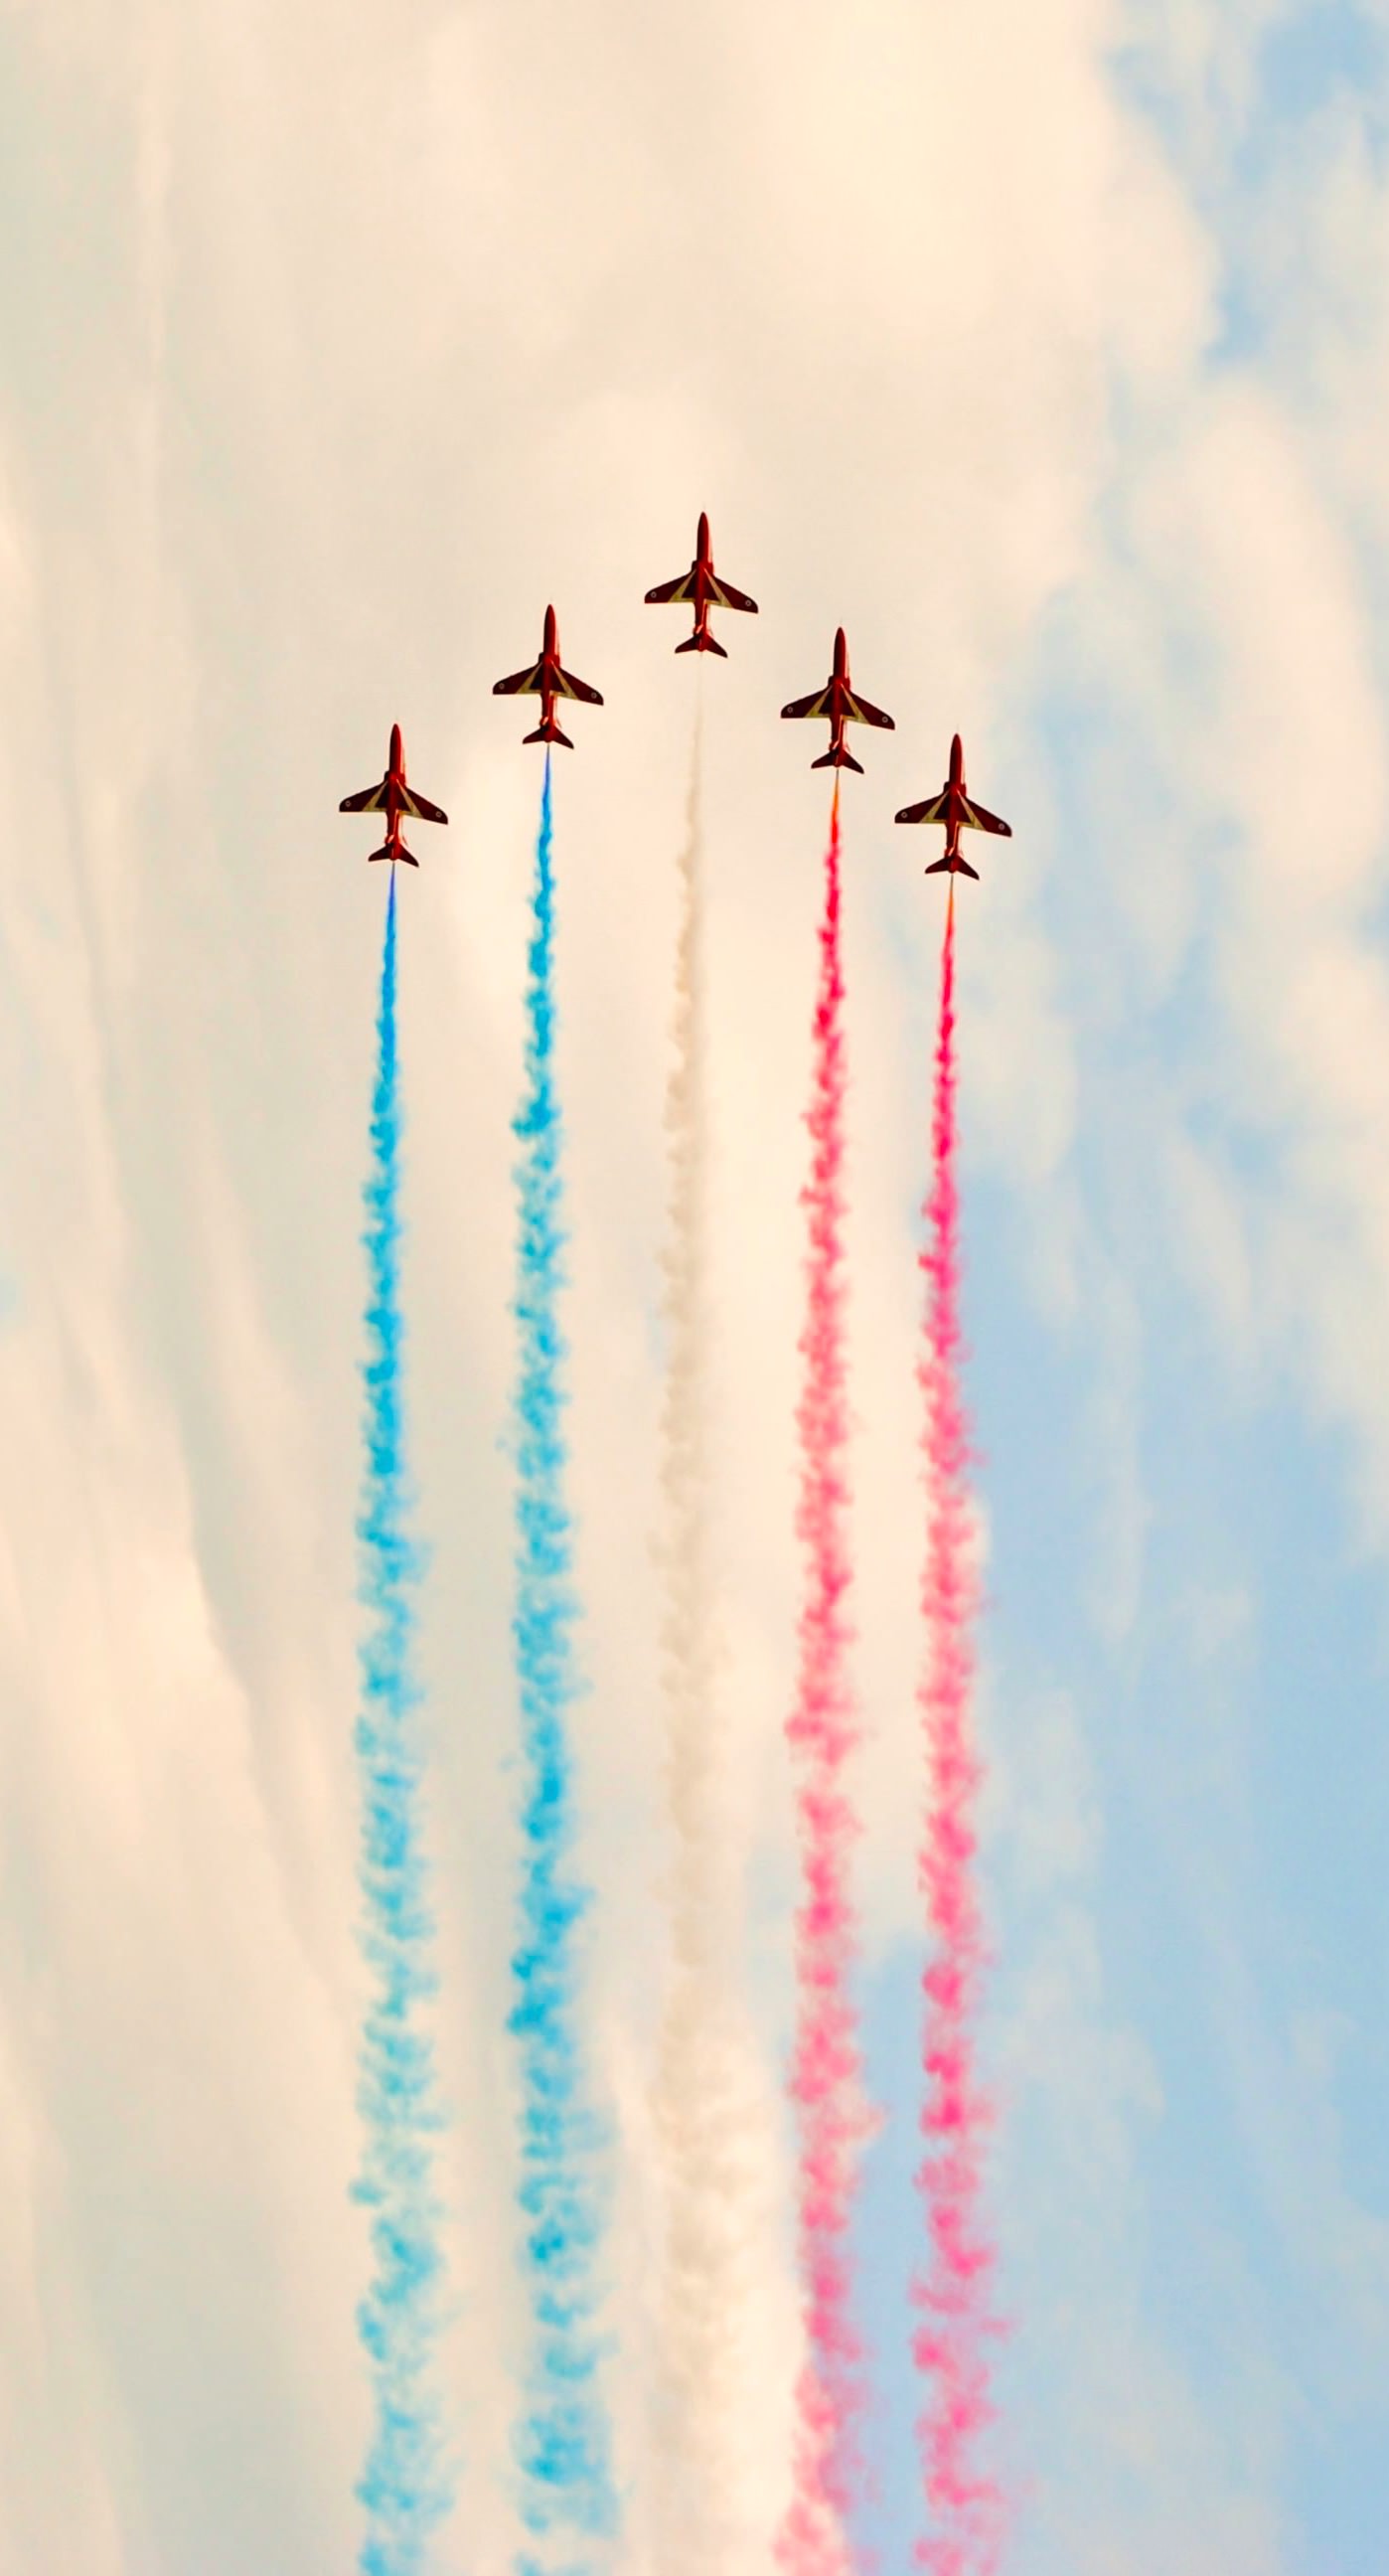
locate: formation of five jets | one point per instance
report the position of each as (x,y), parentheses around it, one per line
(701,588)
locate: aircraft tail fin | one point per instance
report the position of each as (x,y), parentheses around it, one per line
(955,865)
(703,642)
(550,732)
(838,756)
(399,852)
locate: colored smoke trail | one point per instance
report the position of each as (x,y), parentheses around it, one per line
(823,1734)
(405,2486)
(562,2437)
(950,2344)
(699,2100)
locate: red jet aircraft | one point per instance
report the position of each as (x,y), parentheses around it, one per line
(393,799)
(839,703)
(956,811)
(701,589)
(547,681)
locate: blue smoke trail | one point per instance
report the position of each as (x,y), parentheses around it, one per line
(562,2437)
(405,2485)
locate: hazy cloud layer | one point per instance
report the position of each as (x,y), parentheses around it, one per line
(1043,350)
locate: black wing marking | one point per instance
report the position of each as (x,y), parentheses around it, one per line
(982,820)
(519,685)
(932,810)
(566,686)
(723,595)
(421,808)
(863,711)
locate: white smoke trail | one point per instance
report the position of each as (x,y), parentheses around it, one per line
(703,2113)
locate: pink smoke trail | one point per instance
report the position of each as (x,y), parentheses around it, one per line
(952,2299)
(823,1733)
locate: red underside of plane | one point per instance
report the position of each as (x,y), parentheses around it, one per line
(547,680)
(839,703)
(397,801)
(701,589)
(958,811)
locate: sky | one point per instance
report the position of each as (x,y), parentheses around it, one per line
(1048,352)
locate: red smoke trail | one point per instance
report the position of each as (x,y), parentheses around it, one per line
(823,1732)
(965,2506)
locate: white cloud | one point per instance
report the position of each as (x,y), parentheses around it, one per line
(346,355)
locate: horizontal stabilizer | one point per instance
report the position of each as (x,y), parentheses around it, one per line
(953,867)
(548,733)
(838,757)
(703,642)
(399,852)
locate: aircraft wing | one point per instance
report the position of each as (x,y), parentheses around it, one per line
(421,808)
(566,686)
(668,591)
(862,711)
(520,684)
(817,705)
(935,809)
(981,819)
(723,595)
(368,800)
